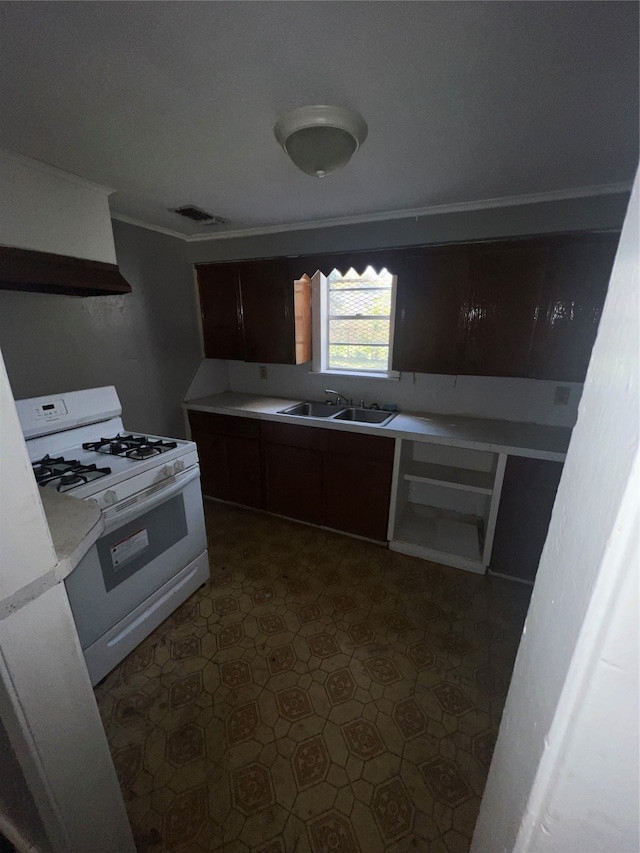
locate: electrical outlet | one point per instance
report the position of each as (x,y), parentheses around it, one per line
(263,372)
(561,397)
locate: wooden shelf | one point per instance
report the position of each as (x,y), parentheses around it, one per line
(440,530)
(451,477)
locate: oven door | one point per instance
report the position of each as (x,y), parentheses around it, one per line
(144,545)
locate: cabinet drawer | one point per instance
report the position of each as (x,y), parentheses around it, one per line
(358,446)
(224,424)
(293,435)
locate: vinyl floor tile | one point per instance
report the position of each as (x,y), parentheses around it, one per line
(318,694)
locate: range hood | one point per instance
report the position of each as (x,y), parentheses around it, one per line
(55,231)
(44,272)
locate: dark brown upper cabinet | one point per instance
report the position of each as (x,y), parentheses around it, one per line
(503,297)
(255,311)
(526,307)
(573,295)
(219,288)
(44,272)
(522,307)
(268,312)
(430,309)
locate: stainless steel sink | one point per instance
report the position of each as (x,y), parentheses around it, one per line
(365,416)
(339,413)
(311,410)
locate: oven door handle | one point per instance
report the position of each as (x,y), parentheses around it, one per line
(117,519)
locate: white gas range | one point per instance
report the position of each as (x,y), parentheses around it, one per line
(152,555)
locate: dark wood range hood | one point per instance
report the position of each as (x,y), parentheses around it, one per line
(43,272)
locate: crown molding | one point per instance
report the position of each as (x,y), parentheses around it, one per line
(130,220)
(54,171)
(413,213)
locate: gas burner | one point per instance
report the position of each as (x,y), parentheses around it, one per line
(43,468)
(131,446)
(65,474)
(143,451)
(71,479)
(116,447)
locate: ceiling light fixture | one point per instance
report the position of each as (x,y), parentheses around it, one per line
(321,139)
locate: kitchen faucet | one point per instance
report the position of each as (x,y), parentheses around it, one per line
(338,397)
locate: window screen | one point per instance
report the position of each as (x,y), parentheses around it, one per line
(359,319)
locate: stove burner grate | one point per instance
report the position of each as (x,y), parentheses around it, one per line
(65,474)
(130,446)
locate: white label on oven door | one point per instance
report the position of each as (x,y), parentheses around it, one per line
(128,548)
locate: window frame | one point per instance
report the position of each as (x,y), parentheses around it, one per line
(320,330)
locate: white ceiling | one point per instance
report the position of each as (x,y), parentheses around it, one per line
(174,103)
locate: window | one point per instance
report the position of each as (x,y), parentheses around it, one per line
(353,322)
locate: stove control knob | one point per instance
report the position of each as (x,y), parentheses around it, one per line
(167,471)
(109,497)
(179,466)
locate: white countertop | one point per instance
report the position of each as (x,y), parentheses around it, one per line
(75,525)
(517,439)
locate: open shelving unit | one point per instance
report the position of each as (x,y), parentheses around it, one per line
(465,479)
(445,503)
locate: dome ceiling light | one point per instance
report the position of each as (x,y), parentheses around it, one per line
(321,139)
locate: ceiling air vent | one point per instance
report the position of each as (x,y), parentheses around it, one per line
(196,214)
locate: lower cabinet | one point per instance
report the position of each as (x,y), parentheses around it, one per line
(357,483)
(528,494)
(293,471)
(447,498)
(230,460)
(212,452)
(336,479)
(243,470)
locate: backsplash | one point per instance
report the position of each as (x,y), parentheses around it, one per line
(526,400)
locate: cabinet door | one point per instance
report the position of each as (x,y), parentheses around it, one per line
(229,453)
(293,470)
(220,309)
(357,483)
(356,495)
(244,472)
(212,454)
(526,502)
(573,295)
(505,282)
(293,482)
(302,319)
(267,312)
(430,310)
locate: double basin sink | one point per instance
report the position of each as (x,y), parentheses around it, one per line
(339,413)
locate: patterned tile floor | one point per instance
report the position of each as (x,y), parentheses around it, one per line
(320,694)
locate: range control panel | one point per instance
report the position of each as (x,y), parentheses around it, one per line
(57,412)
(50,411)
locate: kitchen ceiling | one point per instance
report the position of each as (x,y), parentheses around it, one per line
(174,103)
